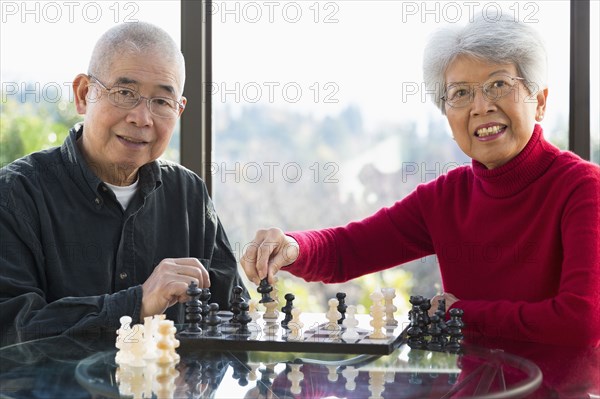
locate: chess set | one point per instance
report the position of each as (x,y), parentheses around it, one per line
(243,328)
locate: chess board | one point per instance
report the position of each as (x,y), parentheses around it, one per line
(271,337)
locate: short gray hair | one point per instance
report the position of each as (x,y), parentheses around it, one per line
(132,38)
(503,41)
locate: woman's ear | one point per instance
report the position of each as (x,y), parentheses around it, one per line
(540,110)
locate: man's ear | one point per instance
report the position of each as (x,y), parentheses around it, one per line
(184,102)
(81,86)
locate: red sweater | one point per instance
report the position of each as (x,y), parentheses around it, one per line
(519,245)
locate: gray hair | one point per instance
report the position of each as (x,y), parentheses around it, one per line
(504,41)
(134,38)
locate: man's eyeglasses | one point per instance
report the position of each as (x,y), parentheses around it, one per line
(459,95)
(126,98)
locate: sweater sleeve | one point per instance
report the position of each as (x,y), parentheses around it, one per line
(390,237)
(571,317)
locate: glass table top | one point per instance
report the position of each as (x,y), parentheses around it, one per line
(84,367)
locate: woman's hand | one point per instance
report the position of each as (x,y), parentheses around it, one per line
(269,251)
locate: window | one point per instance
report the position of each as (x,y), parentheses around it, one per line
(44,46)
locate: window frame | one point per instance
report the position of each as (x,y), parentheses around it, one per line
(196,123)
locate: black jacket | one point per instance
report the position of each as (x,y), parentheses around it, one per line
(72,261)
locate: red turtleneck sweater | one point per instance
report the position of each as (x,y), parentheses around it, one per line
(519,245)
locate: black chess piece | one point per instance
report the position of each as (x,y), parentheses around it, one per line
(341,297)
(193,310)
(243,319)
(205,298)
(236,300)
(287,309)
(265,289)
(425,321)
(213,320)
(435,331)
(454,326)
(417,329)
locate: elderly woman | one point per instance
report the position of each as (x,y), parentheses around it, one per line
(517,233)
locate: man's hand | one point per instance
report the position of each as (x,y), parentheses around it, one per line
(169,282)
(270,250)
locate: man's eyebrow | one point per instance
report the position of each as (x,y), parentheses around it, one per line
(126,80)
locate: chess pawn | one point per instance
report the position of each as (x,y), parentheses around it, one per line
(253,310)
(264,289)
(350,323)
(287,309)
(295,326)
(389,294)
(332,375)
(271,312)
(333,315)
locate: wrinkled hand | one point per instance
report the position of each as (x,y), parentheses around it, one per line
(450,300)
(269,251)
(169,282)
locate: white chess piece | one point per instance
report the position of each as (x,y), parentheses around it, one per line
(389,294)
(167,343)
(376,384)
(332,375)
(271,312)
(377,313)
(295,376)
(333,315)
(138,346)
(150,337)
(271,308)
(350,323)
(295,326)
(350,374)
(123,342)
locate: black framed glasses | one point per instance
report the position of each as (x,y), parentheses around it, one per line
(127,98)
(459,95)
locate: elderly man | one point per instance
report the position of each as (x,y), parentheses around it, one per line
(99,228)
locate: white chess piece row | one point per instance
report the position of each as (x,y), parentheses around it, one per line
(152,341)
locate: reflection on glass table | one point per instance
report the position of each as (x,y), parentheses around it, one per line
(404,373)
(84,367)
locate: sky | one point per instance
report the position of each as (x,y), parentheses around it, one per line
(314,57)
